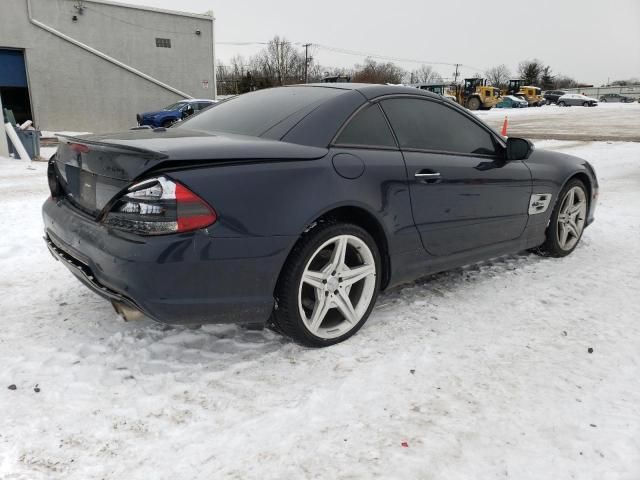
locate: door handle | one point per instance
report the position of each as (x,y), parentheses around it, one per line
(427,175)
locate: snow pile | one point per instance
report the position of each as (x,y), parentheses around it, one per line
(481,372)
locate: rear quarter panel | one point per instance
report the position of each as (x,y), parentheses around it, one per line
(283,198)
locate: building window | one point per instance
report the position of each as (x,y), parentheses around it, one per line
(163,42)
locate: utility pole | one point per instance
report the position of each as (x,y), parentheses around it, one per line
(456,73)
(306,61)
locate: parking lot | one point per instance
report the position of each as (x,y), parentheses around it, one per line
(519,367)
(606,122)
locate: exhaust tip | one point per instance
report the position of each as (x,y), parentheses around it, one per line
(129,314)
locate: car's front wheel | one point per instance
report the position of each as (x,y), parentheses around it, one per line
(561,104)
(328,285)
(567,221)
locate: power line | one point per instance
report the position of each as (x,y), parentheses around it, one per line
(392,58)
(243,43)
(346,51)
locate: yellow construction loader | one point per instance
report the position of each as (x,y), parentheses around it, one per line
(475,94)
(533,95)
(439,88)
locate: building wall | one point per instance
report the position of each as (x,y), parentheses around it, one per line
(72,89)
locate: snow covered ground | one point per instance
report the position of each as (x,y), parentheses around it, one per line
(607,121)
(484,371)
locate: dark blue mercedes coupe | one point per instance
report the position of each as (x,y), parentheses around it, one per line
(295,206)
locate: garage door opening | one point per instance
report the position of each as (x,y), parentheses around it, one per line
(14,88)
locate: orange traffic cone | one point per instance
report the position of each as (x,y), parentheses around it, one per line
(505,124)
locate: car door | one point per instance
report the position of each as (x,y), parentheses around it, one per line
(366,156)
(464,194)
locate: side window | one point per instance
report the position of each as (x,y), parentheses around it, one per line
(429,125)
(369,128)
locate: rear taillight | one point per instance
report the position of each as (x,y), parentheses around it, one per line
(159,206)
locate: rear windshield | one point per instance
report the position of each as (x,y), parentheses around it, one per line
(256,112)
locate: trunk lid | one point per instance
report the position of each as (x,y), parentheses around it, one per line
(94,169)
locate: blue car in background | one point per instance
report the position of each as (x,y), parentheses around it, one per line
(172,113)
(511,101)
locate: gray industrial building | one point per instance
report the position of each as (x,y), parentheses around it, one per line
(91,65)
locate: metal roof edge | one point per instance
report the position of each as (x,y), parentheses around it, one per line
(153,9)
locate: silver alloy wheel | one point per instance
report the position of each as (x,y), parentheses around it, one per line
(337,286)
(571,218)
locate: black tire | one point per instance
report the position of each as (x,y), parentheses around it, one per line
(561,104)
(585,104)
(603,100)
(168,123)
(286,317)
(551,246)
(474,103)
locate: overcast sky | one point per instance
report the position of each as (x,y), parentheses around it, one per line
(590,41)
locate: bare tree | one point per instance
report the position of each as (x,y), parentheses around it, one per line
(531,71)
(425,74)
(377,72)
(238,66)
(562,81)
(498,76)
(235,77)
(280,62)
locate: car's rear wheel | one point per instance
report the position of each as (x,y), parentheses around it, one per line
(585,104)
(567,221)
(603,100)
(328,285)
(561,104)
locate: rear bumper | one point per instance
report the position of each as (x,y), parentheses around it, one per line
(84,273)
(175,279)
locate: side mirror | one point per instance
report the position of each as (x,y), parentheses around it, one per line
(519,148)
